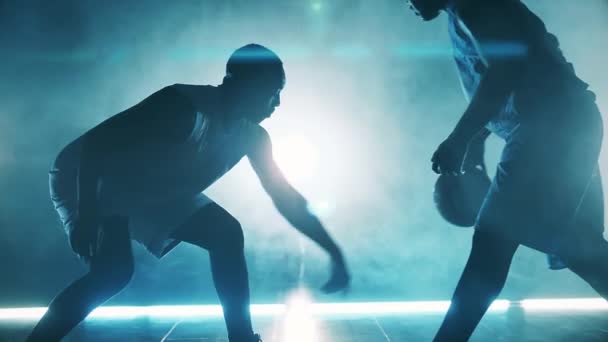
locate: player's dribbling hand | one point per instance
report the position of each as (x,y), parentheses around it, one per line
(474,159)
(340,278)
(84,238)
(449,156)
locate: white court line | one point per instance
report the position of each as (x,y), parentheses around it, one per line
(382,330)
(170,331)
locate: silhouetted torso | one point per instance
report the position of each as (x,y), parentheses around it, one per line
(548,75)
(191,149)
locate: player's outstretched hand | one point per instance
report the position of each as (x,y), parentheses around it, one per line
(340,278)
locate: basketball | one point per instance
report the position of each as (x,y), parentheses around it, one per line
(459,198)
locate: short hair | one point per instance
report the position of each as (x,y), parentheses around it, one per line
(255,61)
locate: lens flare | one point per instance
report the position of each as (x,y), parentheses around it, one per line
(299,324)
(297,157)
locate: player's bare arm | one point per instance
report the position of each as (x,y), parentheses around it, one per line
(490,27)
(293,206)
(503,48)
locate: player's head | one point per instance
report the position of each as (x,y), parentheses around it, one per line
(254,80)
(427,9)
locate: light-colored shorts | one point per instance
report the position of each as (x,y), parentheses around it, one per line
(150,223)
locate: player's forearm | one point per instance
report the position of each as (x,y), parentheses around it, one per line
(295,210)
(491,96)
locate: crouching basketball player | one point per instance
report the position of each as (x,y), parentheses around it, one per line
(139,176)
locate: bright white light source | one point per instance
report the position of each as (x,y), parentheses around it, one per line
(267,309)
(296,306)
(321,208)
(500,305)
(380,308)
(118,312)
(298,323)
(21,313)
(387,308)
(566,304)
(296,157)
(301,307)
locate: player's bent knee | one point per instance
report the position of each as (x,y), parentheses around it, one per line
(232,236)
(114,279)
(583,247)
(120,279)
